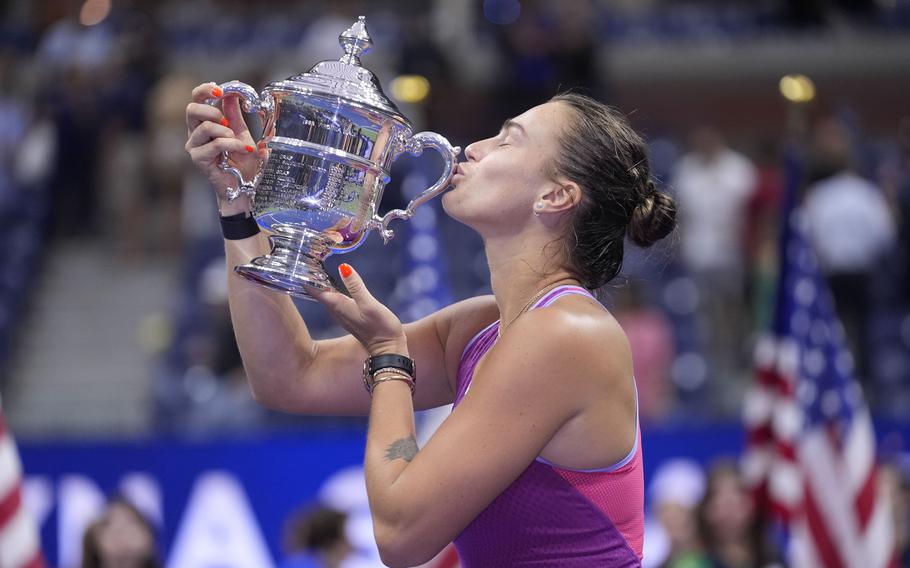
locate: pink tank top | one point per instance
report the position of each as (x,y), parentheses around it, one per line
(554,516)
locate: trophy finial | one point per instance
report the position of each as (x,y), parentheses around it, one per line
(355,41)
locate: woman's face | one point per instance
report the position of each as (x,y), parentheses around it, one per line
(497,186)
(123,540)
(729,508)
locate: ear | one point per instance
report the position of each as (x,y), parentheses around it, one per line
(562,196)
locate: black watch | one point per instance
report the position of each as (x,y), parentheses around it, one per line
(373,364)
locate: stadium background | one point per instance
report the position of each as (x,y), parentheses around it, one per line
(119,371)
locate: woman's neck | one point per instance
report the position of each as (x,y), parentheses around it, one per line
(519,270)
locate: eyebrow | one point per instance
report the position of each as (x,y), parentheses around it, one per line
(509,123)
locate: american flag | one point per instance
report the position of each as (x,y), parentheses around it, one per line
(19,546)
(811,444)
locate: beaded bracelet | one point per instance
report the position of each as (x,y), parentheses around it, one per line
(393,374)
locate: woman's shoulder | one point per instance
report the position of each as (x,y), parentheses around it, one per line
(577,333)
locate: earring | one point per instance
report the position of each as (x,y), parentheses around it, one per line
(537,209)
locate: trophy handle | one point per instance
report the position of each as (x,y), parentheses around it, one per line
(251,102)
(415,145)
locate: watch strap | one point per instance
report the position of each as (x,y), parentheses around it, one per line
(406,364)
(239,226)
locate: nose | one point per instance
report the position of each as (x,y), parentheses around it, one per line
(471,152)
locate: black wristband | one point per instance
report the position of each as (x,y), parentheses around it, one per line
(396,364)
(406,364)
(239,226)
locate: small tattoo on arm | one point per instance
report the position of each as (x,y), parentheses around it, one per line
(405,448)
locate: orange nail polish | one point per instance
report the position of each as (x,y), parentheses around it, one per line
(249,148)
(217,92)
(225,122)
(345,270)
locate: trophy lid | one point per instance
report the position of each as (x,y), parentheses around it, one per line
(346,78)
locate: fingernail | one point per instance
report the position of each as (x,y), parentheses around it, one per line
(249,148)
(225,122)
(345,270)
(217,92)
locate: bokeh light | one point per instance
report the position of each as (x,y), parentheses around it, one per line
(410,88)
(502,12)
(797,88)
(94,12)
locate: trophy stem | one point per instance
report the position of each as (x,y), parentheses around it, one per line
(295,264)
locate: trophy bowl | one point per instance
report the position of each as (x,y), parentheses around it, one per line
(330,137)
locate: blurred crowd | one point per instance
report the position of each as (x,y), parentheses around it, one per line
(92,97)
(696,518)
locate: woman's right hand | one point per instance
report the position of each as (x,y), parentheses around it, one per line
(211,132)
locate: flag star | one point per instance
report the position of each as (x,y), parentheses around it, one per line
(818,334)
(831,403)
(805,291)
(807,391)
(814,362)
(844,362)
(800,322)
(853,394)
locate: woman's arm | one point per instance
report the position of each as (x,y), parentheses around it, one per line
(551,367)
(290,371)
(287,369)
(523,393)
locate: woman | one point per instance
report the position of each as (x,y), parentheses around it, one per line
(540,461)
(731,527)
(121,538)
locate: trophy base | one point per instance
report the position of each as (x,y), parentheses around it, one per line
(295,264)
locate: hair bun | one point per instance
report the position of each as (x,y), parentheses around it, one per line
(653,219)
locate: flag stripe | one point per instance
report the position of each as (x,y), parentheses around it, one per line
(865,500)
(811,442)
(10,470)
(821,539)
(37,561)
(18,541)
(9,505)
(19,544)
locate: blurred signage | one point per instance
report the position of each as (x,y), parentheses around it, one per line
(215,503)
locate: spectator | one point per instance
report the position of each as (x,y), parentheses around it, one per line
(895,179)
(715,185)
(851,228)
(121,538)
(651,340)
(894,485)
(671,540)
(316,539)
(733,533)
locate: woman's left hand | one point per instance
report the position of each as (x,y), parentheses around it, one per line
(374,325)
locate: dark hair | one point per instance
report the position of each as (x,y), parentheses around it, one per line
(761,549)
(91,554)
(601,152)
(316,529)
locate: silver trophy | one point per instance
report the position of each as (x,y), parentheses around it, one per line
(330,136)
